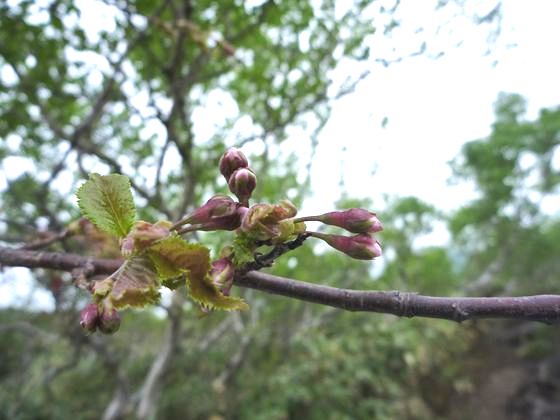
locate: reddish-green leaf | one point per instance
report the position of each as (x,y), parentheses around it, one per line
(135,283)
(173,257)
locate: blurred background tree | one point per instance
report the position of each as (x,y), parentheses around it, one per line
(156,90)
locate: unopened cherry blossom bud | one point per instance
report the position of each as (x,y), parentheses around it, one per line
(232,160)
(242,183)
(353,220)
(221,273)
(360,247)
(222,223)
(109,321)
(89,317)
(217,207)
(218,213)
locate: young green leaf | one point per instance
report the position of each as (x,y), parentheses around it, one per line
(174,256)
(243,247)
(106,200)
(135,283)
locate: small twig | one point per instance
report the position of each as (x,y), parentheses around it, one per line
(43,243)
(267,260)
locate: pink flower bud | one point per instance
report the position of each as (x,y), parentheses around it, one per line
(89,318)
(353,220)
(360,247)
(218,206)
(232,160)
(221,273)
(218,213)
(223,223)
(242,183)
(109,321)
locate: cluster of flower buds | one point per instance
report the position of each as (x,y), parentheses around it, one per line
(106,319)
(258,225)
(241,180)
(364,223)
(276,222)
(221,212)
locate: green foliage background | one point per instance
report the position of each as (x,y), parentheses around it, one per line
(129,100)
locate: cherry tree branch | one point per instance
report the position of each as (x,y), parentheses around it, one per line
(543,308)
(10,257)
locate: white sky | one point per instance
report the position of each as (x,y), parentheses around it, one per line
(432,107)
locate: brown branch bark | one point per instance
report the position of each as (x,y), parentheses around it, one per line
(55,260)
(544,308)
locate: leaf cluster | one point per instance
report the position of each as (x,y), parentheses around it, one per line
(107,202)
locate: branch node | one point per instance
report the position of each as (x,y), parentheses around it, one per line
(404,300)
(80,275)
(459,314)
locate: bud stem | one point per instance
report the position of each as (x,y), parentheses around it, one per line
(307,219)
(188,229)
(316,234)
(201,226)
(181,222)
